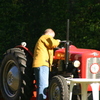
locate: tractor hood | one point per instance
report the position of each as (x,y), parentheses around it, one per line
(76,52)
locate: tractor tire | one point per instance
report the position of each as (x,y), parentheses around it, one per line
(16,75)
(58,89)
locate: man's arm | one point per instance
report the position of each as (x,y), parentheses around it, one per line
(51,42)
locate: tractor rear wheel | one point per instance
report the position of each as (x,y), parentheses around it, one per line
(58,89)
(15,75)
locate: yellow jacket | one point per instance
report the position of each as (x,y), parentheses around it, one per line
(43,52)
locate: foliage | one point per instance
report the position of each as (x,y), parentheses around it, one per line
(26,20)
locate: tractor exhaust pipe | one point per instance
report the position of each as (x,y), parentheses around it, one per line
(67,46)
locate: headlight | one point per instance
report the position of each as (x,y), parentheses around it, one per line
(23,44)
(76,63)
(94,68)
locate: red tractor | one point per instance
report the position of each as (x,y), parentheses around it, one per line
(17,81)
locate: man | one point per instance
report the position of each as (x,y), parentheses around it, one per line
(42,61)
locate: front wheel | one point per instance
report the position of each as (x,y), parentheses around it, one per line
(58,89)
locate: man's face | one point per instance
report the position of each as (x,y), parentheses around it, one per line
(53,34)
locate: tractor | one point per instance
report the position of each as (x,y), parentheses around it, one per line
(17,79)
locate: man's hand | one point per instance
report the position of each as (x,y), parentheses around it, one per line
(59,40)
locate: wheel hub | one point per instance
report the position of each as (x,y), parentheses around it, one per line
(13,78)
(56,92)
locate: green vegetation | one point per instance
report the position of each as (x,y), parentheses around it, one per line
(25,20)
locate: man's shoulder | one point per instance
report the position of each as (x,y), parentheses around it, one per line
(45,36)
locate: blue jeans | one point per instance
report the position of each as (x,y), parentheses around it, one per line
(42,81)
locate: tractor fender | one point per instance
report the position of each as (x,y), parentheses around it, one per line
(25,48)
